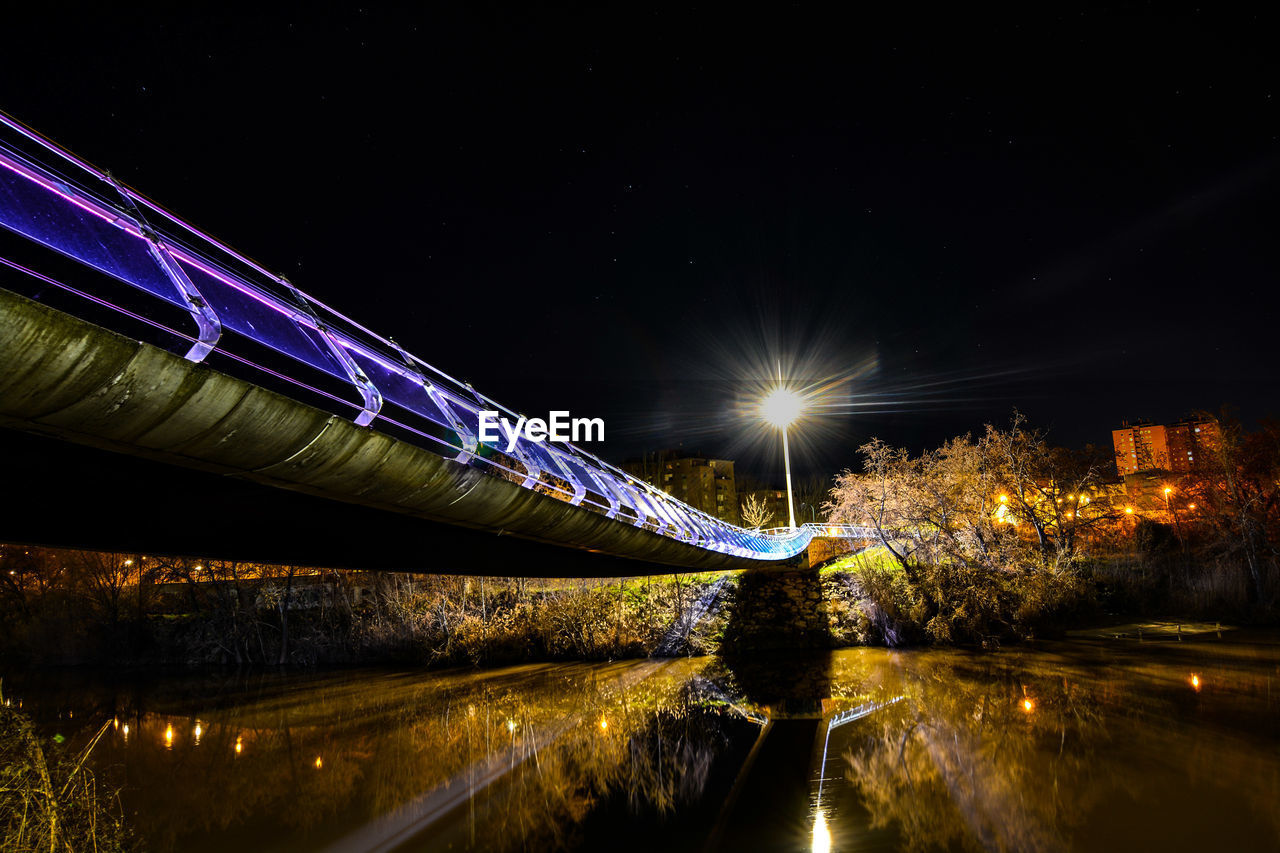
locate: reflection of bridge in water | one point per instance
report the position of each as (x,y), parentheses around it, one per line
(127,329)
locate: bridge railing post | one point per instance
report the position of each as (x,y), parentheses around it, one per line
(207,323)
(368,392)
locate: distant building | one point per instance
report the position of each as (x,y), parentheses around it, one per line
(703,483)
(1178,447)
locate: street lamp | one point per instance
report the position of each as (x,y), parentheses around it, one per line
(781,408)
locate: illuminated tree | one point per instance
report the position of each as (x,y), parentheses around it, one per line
(755,512)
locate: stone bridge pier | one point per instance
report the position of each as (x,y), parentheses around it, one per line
(779,608)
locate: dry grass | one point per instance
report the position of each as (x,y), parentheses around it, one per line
(50,801)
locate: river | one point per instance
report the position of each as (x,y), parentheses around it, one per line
(1093,744)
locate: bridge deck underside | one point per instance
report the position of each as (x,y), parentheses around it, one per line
(69,379)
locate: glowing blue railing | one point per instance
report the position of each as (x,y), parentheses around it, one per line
(53,198)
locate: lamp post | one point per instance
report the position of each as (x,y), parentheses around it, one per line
(1168,507)
(781,408)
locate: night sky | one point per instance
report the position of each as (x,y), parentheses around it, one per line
(630,215)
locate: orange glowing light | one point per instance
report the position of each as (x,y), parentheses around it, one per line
(168,736)
(1004,499)
(1191,506)
(1128,510)
(319,763)
(1028,705)
(1195,682)
(604,724)
(239,746)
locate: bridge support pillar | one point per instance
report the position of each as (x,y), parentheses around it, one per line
(777,609)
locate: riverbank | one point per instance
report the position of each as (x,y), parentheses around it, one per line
(187,614)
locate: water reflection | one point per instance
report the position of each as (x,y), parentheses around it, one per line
(1077,747)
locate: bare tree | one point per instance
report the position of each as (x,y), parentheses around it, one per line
(878,497)
(1238,486)
(755,512)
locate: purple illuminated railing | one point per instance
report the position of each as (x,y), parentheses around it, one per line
(56,200)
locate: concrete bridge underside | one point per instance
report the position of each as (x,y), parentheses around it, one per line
(168,456)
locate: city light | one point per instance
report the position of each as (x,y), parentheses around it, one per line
(319,763)
(1028,706)
(1195,682)
(168,737)
(1004,499)
(239,745)
(1128,510)
(604,724)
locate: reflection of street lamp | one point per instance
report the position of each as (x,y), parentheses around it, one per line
(781,409)
(821,835)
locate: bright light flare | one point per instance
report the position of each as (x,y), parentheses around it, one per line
(821,834)
(782,407)
(1195,682)
(1028,706)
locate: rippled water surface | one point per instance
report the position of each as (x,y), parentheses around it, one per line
(1105,745)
